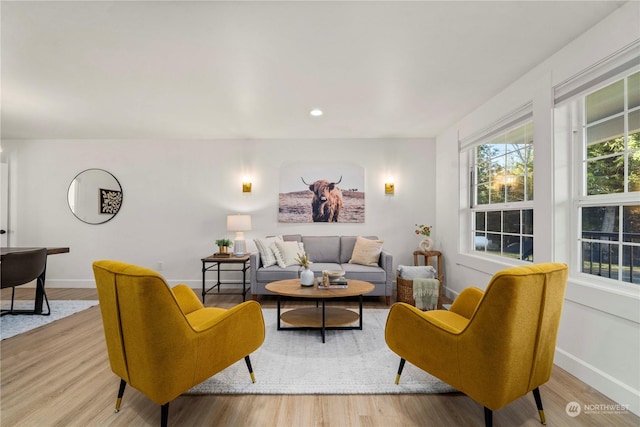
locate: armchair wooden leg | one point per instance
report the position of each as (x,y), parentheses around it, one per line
(400,368)
(123,384)
(253,377)
(164,415)
(536,395)
(488,417)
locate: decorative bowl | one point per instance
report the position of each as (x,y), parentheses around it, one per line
(335,274)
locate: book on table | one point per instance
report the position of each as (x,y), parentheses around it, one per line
(338,283)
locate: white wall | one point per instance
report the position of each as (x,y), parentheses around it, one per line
(177,194)
(599,338)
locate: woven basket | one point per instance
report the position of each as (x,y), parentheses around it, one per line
(405,292)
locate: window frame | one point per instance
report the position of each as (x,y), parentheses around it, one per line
(581,198)
(523,119)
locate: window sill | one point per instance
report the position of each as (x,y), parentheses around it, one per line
(489,264)
(622,302)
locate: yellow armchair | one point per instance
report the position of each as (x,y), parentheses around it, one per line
(163,341)
(494,346)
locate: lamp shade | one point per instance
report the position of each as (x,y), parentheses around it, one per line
(239,222)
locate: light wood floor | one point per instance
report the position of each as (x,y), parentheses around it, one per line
(59,375)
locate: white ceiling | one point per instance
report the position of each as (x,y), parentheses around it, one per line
(212,69)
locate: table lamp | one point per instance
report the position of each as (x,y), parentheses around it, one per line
(239,224)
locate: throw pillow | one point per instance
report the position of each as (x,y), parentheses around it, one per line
(416,272)
(266,253)
(366,252)
(287,252)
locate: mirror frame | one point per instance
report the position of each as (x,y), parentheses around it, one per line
(71,185)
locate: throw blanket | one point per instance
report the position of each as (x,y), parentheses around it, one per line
(425,292)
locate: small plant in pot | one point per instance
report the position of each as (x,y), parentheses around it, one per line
(224,245)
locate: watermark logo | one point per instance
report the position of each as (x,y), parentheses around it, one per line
(605,408)
(573,409)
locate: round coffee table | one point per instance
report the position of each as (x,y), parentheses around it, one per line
(323,318)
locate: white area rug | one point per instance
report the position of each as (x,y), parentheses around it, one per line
(297,362)
(11,325)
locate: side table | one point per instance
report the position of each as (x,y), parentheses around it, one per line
(428,255)
(405,286)
(215,263)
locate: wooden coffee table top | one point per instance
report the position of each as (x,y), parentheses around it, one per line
(292,288)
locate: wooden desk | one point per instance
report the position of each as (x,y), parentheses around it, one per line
(39,298)
(50,251)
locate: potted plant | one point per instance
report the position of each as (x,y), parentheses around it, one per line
(224,245)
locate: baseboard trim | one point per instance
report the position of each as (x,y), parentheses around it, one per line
(606,384)
(91,284)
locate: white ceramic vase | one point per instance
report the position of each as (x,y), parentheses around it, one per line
(426,244)
(306,277)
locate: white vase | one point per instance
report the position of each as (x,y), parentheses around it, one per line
(306,277)
(426,244)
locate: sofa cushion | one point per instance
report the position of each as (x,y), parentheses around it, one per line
(366,252)
(322,248)
(264,248)
(273,273)
(287,253)
(366,273)
(319,267)
(346,246)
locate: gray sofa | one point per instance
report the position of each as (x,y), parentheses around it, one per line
(326,253)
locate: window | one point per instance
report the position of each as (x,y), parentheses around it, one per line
(609,207)
(502,194)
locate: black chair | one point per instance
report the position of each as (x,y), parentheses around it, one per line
(20,268)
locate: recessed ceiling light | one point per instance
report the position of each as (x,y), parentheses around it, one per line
(316,112)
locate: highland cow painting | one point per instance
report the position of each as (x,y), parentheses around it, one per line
(321,193)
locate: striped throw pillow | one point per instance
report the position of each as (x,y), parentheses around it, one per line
(267,256)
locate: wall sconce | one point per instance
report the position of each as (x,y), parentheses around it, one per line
(389,187)
(246,185)
(239,224)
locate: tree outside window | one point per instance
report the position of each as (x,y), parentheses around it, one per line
(502,182)
(610,212)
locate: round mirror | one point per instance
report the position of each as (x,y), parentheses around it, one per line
(94,196)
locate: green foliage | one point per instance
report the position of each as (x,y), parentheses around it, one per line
(606,166)
(504,173)
(224,242)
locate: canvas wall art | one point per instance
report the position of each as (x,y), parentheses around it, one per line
(331,192)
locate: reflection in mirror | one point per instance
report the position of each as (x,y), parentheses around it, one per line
(94,196)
